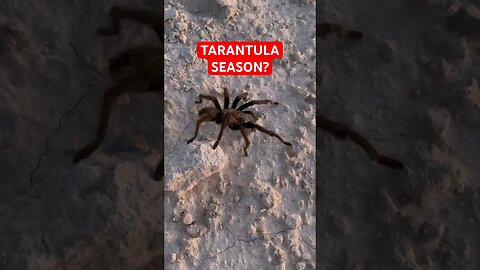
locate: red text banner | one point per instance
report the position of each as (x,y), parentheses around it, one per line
(239,57)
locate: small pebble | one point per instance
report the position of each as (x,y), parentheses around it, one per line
(187,219)
(181,26)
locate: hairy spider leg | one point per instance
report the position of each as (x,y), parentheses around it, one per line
(134,83)
(264,130)
(222,129)
(211,98)
(373,154)
(204,118)
(150,18)
(226,101)
(247,141)
(254,102)
(343,132)
(238,98)
(324,29)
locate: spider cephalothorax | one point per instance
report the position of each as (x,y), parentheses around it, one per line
(138,69)
(233,117)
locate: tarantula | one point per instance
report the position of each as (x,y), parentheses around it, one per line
(342,131)
(235,119)
(135,70)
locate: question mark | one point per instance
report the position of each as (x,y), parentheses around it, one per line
(266,66)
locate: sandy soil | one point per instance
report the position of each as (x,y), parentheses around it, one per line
(410,86)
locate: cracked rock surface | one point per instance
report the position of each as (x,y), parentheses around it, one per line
(105,212)
(224,210)
(411,87)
